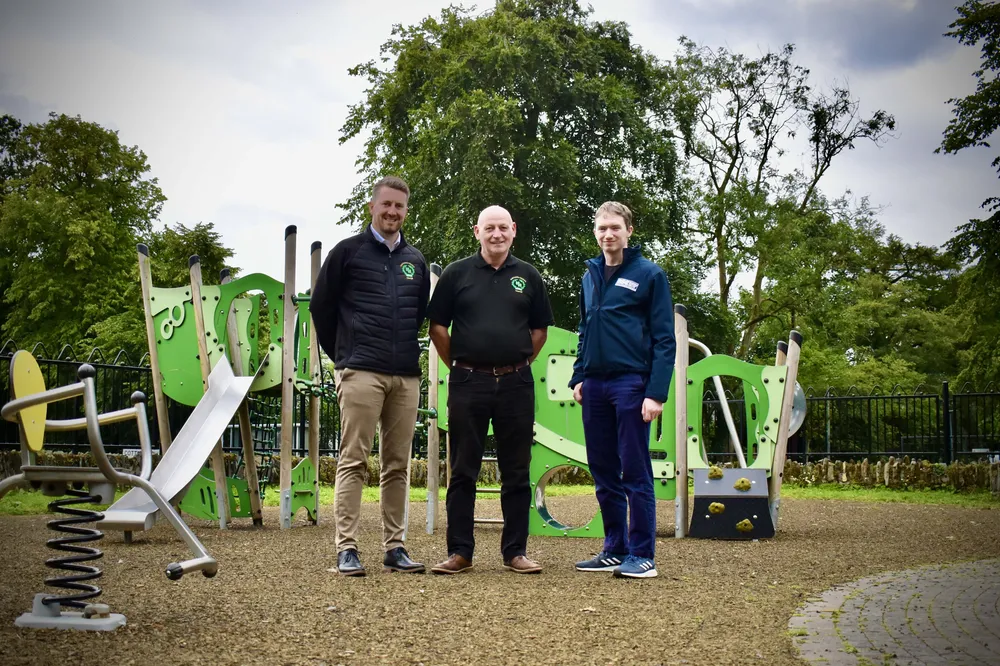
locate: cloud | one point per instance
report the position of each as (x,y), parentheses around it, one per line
(857,34)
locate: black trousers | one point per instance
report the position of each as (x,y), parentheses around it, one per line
(475,399)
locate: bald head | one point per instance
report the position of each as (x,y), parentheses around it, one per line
(495,231)
(494,213)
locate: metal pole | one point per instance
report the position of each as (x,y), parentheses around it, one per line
(287,341)
(433,434)
(315,373)
(781,445)
(218,462)
(949,444)
(681,427)
(159,400)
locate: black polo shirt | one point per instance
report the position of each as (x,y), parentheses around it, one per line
(491,311)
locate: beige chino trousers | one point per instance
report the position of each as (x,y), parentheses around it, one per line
(368,399)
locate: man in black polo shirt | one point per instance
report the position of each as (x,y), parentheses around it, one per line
(499,313)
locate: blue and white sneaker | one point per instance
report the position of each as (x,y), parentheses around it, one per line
(636,567)
(604,561)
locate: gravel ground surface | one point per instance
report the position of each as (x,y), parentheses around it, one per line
(275,602)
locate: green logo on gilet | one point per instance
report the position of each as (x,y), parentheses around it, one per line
(518,283)
(409,270)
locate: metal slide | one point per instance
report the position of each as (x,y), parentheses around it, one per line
(187,454)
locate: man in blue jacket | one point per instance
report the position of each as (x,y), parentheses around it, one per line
(622,372)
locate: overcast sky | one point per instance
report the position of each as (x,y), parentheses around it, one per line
(238,106)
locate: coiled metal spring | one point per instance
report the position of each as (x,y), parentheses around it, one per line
(71,544)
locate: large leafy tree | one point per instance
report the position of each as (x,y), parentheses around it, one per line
(69,220)
(532,106)
(874,310)
(976,119)
(739,115)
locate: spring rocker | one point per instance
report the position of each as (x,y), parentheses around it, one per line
(28,409)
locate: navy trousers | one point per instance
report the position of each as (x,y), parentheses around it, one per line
(618,456)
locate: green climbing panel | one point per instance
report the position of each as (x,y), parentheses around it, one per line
(270,375)
(304,488)
(199,500)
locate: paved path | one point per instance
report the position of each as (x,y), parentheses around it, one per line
(947,614)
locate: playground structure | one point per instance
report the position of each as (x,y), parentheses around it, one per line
(189,331)
(28,409)
(721,510)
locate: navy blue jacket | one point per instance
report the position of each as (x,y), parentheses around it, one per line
(626,324)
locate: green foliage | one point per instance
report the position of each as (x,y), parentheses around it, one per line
(873,310)
(736,114)
(69,222)
(976,119)
(73,204)
(977,116)
(169,249)
(532,106)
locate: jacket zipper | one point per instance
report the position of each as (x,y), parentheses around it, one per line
(390,275)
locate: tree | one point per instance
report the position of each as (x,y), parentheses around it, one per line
(874,310)
(532,106)
(69,223)
(10,168)
(10,163)
(976,118)
(169,249)
(736,115)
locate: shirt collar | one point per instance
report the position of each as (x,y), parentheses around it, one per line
(480,262)
(380,239)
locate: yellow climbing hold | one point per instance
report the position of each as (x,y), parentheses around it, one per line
(716,508)
(715,472)
(744,526)
(743,484)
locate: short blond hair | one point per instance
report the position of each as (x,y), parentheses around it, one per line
(614,208)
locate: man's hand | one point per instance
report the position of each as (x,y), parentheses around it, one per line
(578,393)
(651,409)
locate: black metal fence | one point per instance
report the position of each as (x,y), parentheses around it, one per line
(940,426)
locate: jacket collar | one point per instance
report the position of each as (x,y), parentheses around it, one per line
(630,255)
(369,234)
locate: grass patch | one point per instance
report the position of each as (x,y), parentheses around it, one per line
(22,503)
(978,499)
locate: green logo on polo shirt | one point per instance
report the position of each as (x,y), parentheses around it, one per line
(518,283)
(409,270)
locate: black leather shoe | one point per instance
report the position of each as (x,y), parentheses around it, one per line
(349,564)
(398,559)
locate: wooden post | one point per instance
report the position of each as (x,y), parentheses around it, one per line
(287,379)
(782,353)
(680,418)
(781,443)
(246,428)
(159,400)
(218,462)
(315,371)
(433,435)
